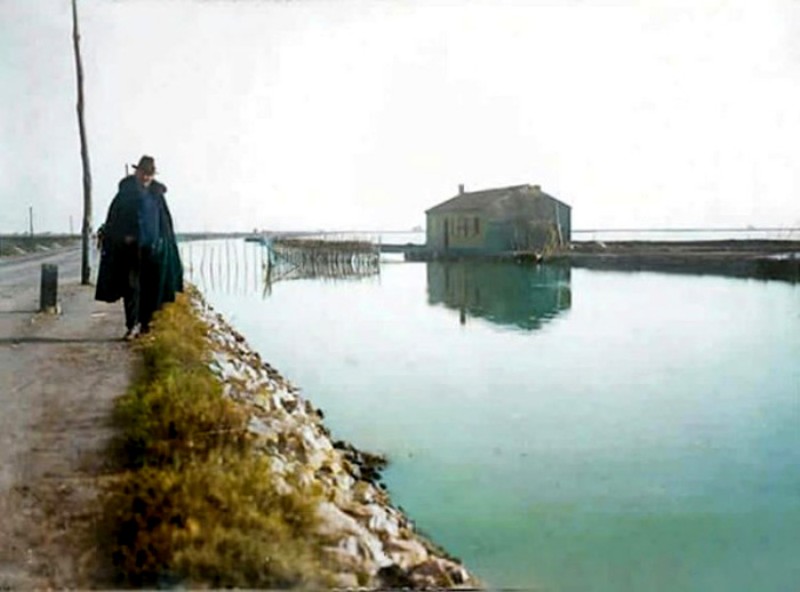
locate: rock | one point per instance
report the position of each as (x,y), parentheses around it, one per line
(431,574)
(345,562)
(305,476)
(394,577)
(368,465)
(364,492)
(406,552)
(349,546)
(377,518)
(278,465)
(459,575)
(335,521)
(257,426)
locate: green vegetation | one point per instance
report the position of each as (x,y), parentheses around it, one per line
(194,502)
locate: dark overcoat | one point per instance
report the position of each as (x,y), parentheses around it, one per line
(113,276)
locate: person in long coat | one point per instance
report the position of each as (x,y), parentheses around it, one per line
(139,261)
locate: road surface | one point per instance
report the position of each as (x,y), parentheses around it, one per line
(59,375)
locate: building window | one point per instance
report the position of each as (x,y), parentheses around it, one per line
(476,225)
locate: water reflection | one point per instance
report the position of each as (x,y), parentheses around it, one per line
(524,296)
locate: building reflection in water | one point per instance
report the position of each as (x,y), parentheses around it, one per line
(524,296)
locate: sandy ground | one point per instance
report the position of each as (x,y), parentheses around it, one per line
(59,375)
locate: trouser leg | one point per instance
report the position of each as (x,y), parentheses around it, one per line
(149,282)
(131,298)
(131,301)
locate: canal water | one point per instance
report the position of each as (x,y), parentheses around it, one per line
(557,430)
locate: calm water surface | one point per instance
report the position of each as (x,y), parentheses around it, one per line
(557,430)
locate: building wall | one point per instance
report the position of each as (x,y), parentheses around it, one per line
(434,238)
(535,224)
(566,222)
(498,237)
(527,224)
(456,231)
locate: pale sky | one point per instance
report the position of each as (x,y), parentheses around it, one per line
(310,114)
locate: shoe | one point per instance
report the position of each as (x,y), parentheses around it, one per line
(131,334)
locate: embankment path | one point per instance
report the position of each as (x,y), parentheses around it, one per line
(59,375)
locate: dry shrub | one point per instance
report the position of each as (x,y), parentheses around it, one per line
(196,503)
(220,522)
(175,407)
(176,416)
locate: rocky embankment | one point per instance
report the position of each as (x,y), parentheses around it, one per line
(375,545)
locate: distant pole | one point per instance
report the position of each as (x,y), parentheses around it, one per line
(70,226)
(30,218)
(86,227)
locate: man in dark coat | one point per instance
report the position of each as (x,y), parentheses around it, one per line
(140,262)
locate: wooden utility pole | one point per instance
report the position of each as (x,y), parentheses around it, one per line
(86,229)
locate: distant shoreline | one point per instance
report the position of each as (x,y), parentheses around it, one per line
(753,258)
(749,258)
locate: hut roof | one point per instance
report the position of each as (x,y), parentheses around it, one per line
(491,200)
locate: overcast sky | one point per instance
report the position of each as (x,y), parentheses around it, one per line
(333,114)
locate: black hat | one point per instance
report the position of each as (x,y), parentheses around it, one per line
(147,164)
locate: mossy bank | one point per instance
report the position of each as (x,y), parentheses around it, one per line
(229,478)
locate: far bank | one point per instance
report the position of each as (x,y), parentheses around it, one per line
(760,259)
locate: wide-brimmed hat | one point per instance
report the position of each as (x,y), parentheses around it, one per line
(147,164)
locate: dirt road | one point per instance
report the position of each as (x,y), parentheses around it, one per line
(59,375)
